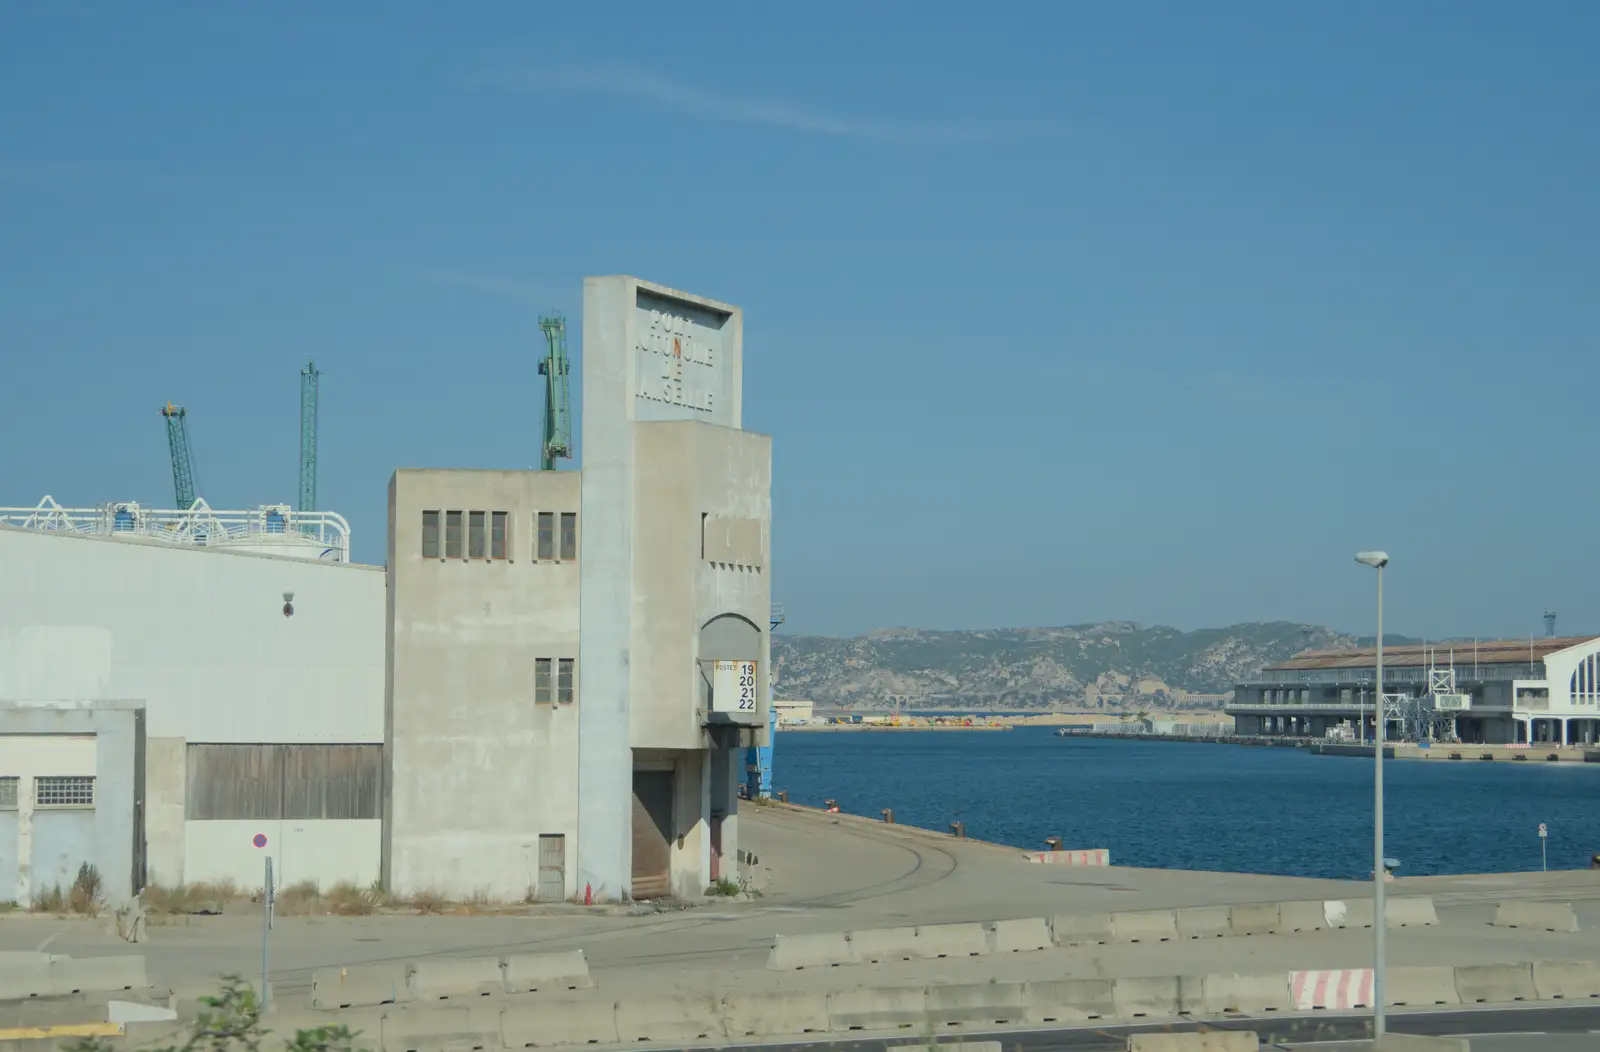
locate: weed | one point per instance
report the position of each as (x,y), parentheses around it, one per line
(52,901)
(346,900)
(232,1020)
(85,897)
(301,898)
(725,886)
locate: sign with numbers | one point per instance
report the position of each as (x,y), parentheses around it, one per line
(733,687)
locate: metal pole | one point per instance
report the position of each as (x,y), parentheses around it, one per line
(266,926)
(1380,920)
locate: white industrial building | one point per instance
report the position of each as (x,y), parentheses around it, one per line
(545,692)
(1544,690)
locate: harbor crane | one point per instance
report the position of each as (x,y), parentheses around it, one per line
(556,369)
(183,484)
(308,437)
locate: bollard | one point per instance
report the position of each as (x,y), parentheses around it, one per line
(783,796)
(888,816)
(958,830)
(1594,863)
(1052,843)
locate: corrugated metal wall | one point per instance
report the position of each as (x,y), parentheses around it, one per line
(283,781)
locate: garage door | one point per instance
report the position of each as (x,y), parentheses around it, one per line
(652,833)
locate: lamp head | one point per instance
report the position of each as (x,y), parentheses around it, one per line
(1376,560)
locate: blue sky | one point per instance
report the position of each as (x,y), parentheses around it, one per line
(1056,313)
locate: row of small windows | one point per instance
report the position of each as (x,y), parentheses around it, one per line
(552,680)
(487,535)
(51,791)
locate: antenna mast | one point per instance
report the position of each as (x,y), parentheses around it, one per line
(308,437)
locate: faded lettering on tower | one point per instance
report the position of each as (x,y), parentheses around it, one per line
(677,365)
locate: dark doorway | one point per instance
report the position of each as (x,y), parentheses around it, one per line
(652,834)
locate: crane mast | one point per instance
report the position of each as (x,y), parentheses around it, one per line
(183,485)
(308,437)
(555,368)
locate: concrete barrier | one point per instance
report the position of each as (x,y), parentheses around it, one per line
(359,986)
(558,1021)
(1393,1042)
(532,973)
(125,1012)
(683,1017)
(952,940)
(823,949)
(1201,922)
(887,1008)
(1336,989)
(1248,994)
(1137,998)
(1410,912)
(1209,1041)
(1348,913)
(1070,1001)
(1421,986)
(1258,919)
(76,975)
(873,945)
(774,1013)
(1566,980)
(1309,915)
(165,1033)
(187,998)
(367,1023)
(25,978)
(1098,856)
(1081,929)
(1495,983)
(1540,916)
(977,1004)
(1020,936)
(437,1028)
(444,979)
(1144,926)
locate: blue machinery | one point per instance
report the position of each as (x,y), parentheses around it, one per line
(758,761)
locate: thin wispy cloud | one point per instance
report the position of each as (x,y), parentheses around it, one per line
(515,289)
(747,109)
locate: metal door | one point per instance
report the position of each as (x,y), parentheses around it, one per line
(652,833)
(552,867)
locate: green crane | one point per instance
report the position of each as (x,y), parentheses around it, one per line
(555,368)
(308,437)
(183,485)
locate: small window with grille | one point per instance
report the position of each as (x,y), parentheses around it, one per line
(569,535)
(564,681)
(430,535)
(543,689)
(497,535)
(547,536)
(8,793)
(63,791)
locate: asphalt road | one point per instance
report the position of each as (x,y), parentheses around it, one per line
(1537,1029)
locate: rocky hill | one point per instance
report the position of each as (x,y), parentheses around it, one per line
(1114,665)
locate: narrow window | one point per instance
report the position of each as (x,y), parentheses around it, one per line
(547,535)
(8,792)
(564,681)
(569,535)
(542,693)
(452,535)
(430,535)
(497,535)
(475,548)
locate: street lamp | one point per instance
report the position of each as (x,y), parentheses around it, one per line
(1380,920)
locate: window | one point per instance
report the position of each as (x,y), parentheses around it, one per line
(564,681)
(8,793)
(475,548)
(547,536)
(56,791)
(569,535)
(430,535)
(497,535)
(452,535)
(542,693)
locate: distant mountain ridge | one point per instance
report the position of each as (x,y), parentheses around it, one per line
(1111,664)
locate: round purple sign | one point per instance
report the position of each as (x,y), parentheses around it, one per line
(260,840)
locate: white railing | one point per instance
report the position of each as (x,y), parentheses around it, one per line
(321,535)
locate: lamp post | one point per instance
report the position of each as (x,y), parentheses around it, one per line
(1380,920)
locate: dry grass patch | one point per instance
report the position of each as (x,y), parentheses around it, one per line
(344,899)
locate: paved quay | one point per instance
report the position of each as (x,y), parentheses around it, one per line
(825,873)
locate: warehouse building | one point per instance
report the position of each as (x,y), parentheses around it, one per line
(1500,692)
(544,694)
